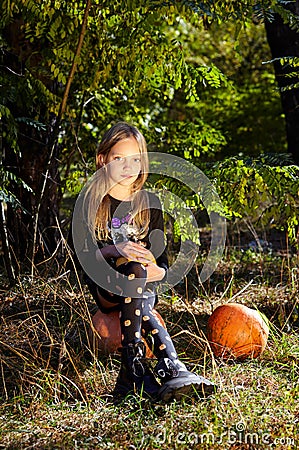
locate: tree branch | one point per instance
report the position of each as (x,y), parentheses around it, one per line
(75,62)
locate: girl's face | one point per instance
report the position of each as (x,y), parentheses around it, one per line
(125,162)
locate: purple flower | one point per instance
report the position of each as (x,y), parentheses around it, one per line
(116,223)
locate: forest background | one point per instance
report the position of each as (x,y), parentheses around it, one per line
(195,77)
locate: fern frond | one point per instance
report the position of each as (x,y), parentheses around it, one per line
(32,123)
(260,14)
(287,16)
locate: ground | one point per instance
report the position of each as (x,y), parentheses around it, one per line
(56,391)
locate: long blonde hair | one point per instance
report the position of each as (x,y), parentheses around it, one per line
(96,199)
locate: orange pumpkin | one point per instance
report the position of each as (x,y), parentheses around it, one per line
(108,337)
(234,330)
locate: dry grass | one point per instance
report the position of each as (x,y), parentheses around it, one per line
(56,391)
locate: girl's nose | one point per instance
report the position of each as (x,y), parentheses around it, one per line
(127,163)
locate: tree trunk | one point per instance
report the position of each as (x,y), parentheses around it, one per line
(34,233)
(33,126)
(30,166)
(284,41)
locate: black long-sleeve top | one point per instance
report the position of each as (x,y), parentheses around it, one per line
(119,229)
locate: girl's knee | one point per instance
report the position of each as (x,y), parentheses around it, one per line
(135,268)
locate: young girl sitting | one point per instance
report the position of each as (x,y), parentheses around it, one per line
(126,223)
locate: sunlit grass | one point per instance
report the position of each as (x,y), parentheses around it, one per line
(56,392)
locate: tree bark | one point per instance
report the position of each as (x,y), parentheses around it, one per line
(284,41)
(29,165)
(32,231)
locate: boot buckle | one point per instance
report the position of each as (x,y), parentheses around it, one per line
(166,369)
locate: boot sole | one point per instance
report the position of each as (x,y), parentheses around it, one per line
(177,388)
(122,391)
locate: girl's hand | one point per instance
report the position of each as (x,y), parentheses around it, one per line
(129,250)
(135,252)
(154,273)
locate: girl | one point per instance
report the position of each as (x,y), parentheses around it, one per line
(126,223)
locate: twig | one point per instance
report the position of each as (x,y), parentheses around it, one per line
(242,290)
(5,244)
(255,235)
(75,60)
(50,280)
(227,287)
(198,338)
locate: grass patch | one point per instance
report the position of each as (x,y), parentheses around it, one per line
(55,391)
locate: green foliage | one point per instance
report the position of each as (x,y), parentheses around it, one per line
(289,17)
(74,182)
(288,62)
(262,191)
(257,190)
(246,110)
(33,123)
(9,127)
(190,140)
(9,181)
(128,59)
(178,204)
(8,178)
(188,73)
(130,54)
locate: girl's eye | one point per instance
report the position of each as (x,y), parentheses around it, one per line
(120,158)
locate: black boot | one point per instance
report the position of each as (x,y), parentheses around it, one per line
(135,377)
(179,382)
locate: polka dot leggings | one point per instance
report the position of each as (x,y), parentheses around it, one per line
(137,314)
